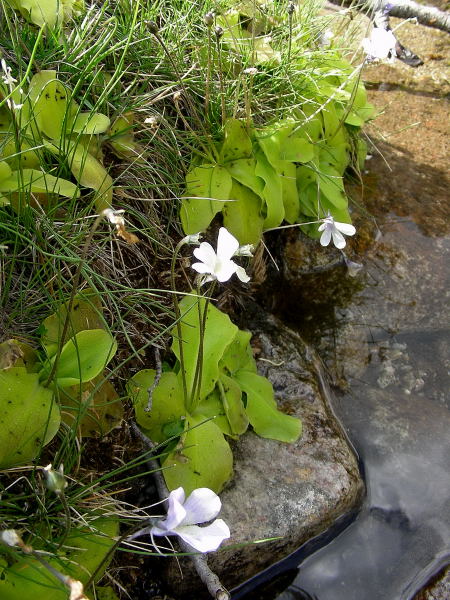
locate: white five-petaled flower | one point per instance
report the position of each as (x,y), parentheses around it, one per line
(184,516)
(219,265)
(380,45)
(334,229)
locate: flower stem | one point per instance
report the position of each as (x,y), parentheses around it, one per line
(176,306)
(75,285)
(196,384)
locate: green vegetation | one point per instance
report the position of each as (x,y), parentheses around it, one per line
(183,118)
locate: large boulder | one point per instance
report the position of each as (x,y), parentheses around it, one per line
(291,492)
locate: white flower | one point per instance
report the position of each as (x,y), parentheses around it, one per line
(76,590)
(324,39)
(12,105)
(6,77)
(114,217)
(219,265)
(193,239)
(246,250)
(183,517)
(152,121)
(55,480)
(10,537)
(353,268)
(333,229)
(380,45)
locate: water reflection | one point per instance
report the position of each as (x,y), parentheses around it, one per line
(396,413)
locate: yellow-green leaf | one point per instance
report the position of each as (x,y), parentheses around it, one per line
(202,459)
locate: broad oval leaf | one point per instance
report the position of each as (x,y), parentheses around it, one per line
(207,186)
(238,355)
(121,137)
(86,313)
(29,418)
(18,354)
(237,143)
(88,171)
(285,140)
(261,408)
(88,549)
(272,192)
(5,170)
(89,123)
(167,402)
(242,217)
(202,459)
(212,408)
(93,408)
(83,357)
(219,333)
(231,396)
(32,180)
(49,103)
(288,177)
(243,171)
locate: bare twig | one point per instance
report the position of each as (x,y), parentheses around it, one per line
(404,9)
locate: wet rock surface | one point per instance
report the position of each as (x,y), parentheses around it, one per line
(438,588)
(287,491)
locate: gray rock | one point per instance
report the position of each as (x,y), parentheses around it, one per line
(438,588)
(287,491)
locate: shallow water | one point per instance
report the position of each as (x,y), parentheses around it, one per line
(396,413)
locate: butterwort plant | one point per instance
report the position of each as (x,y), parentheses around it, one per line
(213,391)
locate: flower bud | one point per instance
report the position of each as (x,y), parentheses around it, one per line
(152,27)
(193,239)
(10,537)
(218,31)
(209,19)
(55,480)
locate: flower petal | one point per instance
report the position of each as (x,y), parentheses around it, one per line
(201,268)
(242,275)
(205,253)
(175,513)
(326,236)
(205,539)
(227,244)
(345,228)
(201,506)
(322,227)
(338,239)
(225,269)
